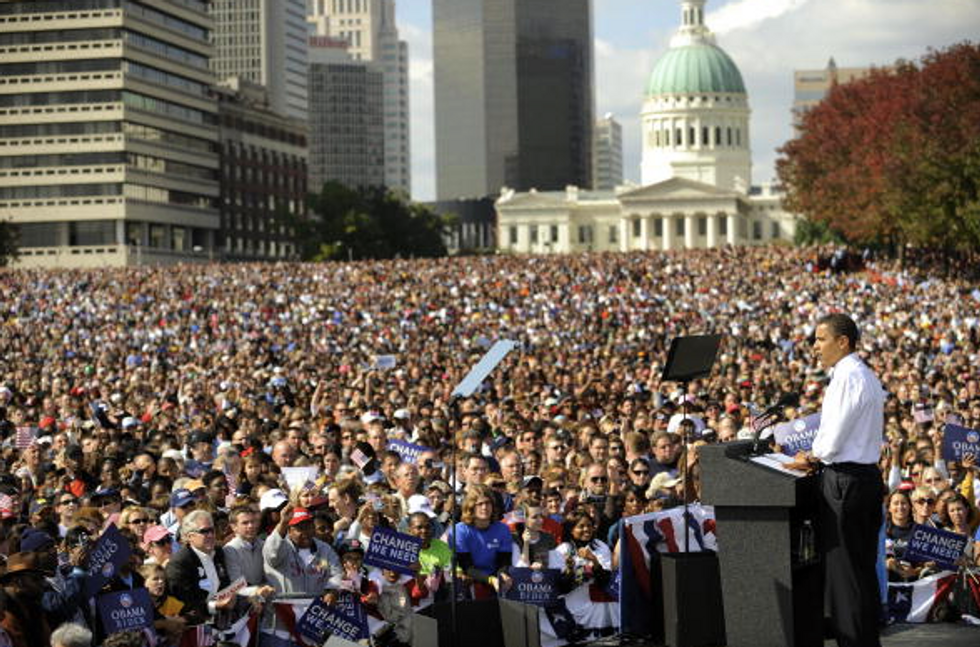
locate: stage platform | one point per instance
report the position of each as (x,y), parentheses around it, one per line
(924,635)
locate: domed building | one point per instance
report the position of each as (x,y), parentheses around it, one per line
(696,169)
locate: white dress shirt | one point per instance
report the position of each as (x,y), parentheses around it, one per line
(211,574)
(852,416)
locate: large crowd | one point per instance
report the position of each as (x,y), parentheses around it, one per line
(172,403)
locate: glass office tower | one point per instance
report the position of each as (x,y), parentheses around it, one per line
(513,95)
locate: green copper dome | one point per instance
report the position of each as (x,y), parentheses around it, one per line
(695,69)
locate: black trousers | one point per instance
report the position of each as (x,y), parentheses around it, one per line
(850,518)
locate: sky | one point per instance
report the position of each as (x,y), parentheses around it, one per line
(768,40)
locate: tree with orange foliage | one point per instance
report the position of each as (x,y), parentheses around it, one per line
(894,157)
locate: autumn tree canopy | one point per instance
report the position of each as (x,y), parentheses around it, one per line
(894,157)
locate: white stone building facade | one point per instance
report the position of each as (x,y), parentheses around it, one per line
(695,170)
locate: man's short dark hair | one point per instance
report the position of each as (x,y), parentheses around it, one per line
(840,325)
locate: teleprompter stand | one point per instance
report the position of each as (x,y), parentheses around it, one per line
(693,612)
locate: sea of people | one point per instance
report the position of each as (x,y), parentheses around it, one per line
(246,429)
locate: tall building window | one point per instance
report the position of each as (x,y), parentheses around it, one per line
(534,234)
(702,226)
(723,225)
(554,233)
(613,234)
(679,137)
(775,230)
(717,135)
(757,230)
(637,228)
(513,235)
(658,227)
(679,224)
(691,136)
(705,136)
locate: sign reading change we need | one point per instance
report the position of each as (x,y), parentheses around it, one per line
(393,550)
(934,545)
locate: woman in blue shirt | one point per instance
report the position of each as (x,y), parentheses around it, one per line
(483,544)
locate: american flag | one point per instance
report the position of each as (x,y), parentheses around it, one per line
(197,636)
(25,437)
(359,458)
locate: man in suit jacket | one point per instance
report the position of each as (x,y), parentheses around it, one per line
(197,571)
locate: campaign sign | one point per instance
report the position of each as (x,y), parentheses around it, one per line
(393,550)
(537,587)
(797,435)
(322,620)
(934,545)
(409,452)
(959,440)
(126,610)
(111,551)
(384,362)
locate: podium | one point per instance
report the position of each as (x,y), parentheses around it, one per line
(771,574)
(486,623)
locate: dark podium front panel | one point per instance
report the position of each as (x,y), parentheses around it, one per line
(771,576)
(486,623)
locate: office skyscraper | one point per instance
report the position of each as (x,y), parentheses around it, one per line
(369,28)
(513,95)
(811,86)
(264,42)
(607,154)
(108,131)
(346,117)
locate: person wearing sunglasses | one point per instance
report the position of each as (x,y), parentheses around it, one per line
(639,473)
(66,505)
(923,506)
(197,572)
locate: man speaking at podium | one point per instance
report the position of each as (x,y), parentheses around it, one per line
(848,444)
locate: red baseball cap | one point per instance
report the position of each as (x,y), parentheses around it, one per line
(299,516)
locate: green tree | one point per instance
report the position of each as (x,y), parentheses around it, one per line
(8,243)
(369,222)
(894,157)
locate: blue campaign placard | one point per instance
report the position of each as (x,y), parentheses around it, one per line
(345,619)
(537,587)
(393,550)
(111,551)
(409,452)
(126,610)
(959,440)
(797,435)
(934,545)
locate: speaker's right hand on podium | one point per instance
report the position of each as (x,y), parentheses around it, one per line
(803,462)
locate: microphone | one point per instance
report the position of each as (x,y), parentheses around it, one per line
(786,400)
(763,421)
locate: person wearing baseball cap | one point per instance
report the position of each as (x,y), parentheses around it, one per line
(158,544)
(182,501)
(296,562)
